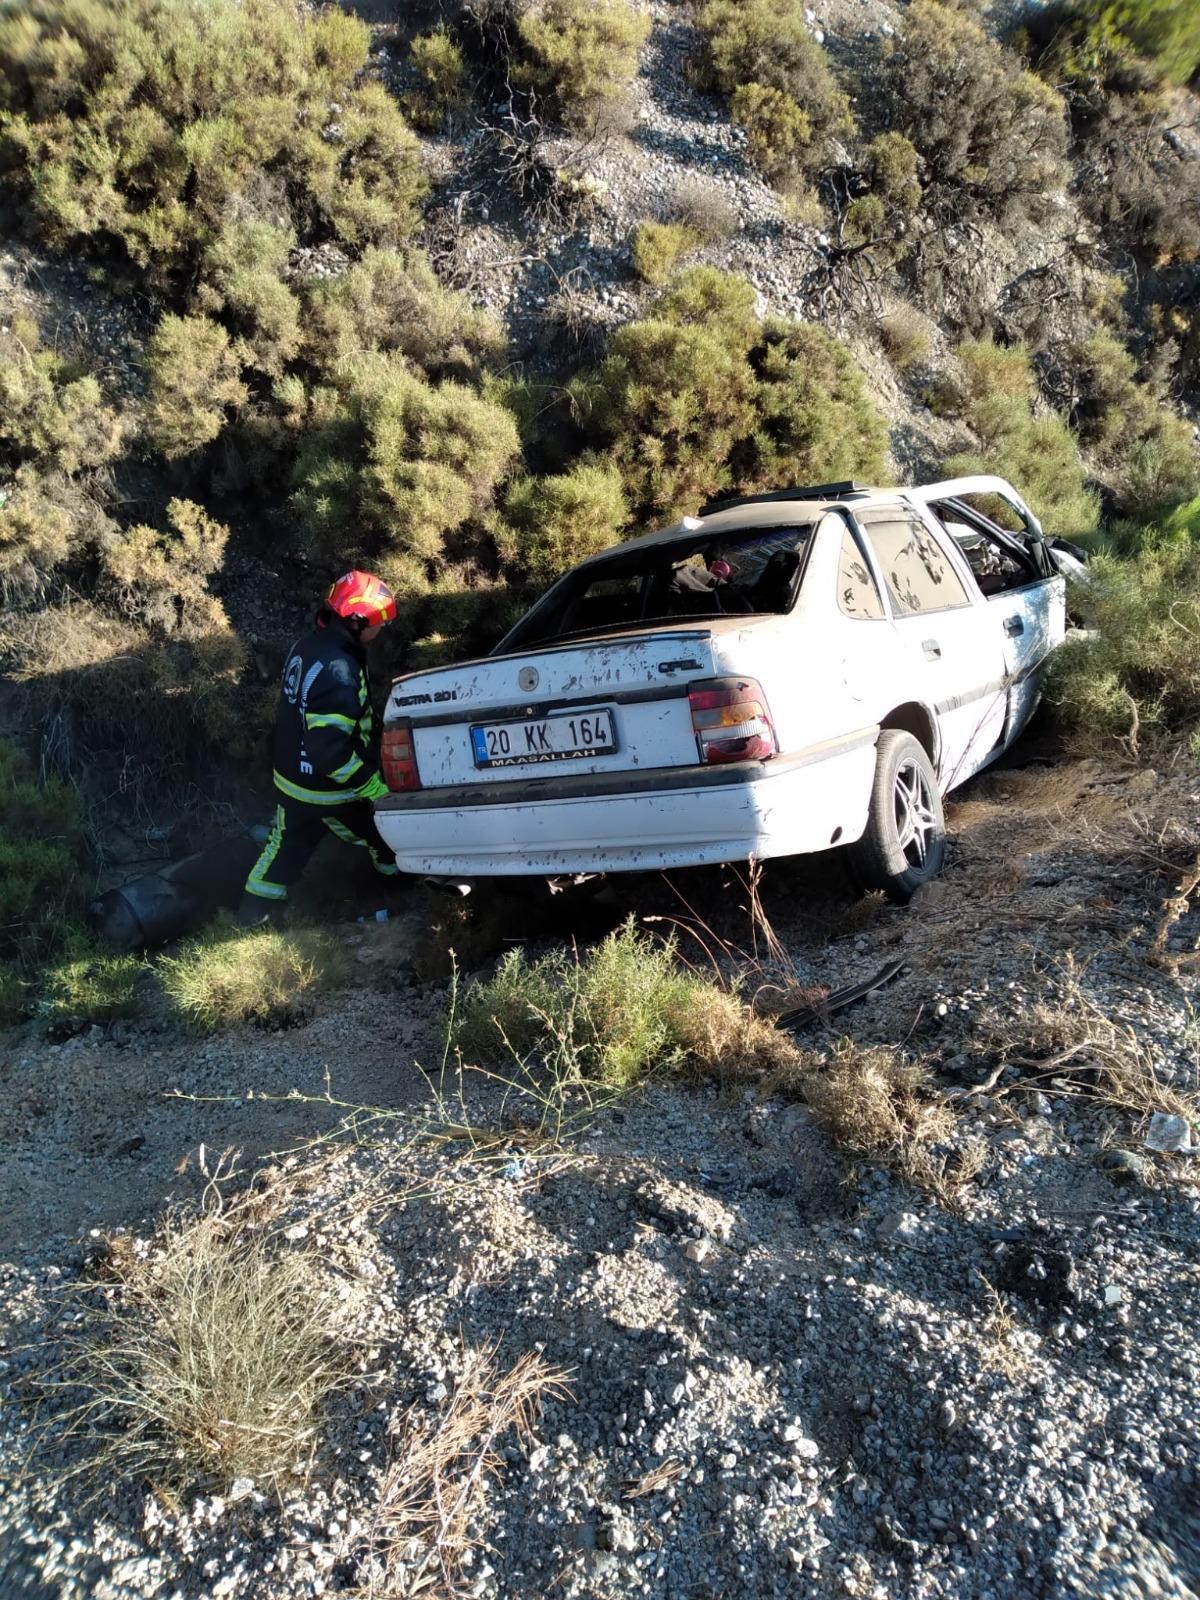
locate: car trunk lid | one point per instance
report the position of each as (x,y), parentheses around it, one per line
(596,705)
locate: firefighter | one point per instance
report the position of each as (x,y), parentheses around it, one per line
(325,759)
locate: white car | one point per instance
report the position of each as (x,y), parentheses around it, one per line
(782,673)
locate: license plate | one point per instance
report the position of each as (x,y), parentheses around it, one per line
(569,736)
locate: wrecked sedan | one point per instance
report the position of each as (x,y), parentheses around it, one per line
(780,674)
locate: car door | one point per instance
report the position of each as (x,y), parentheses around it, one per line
(954,651)
(1026,609)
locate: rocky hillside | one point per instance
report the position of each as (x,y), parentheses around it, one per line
(314,1280)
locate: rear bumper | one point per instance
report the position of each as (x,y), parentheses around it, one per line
(636,821)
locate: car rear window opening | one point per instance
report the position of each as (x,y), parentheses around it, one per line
(712,575)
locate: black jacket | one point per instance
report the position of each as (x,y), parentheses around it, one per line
(324,748)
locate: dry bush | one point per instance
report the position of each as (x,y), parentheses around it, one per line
(262,976)
(768,43)
(80,669)
(873,1102)
(992,135)
(432,1502)
(906,338)
(205,1358)
(705,208)
(1067,1045)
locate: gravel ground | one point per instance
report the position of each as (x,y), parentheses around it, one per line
(790,1373)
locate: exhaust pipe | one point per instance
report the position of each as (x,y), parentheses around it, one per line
(456,888)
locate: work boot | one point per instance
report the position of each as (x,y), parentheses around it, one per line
(255,912)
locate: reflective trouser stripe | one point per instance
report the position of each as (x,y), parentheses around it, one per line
(339,830)
(256,883)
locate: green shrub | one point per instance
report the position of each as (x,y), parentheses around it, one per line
(1137,679)
(581,52)
(552,523)
(391,464)
(88,983)
(1037,452)
(1086,40)
(161,580)
(243,270)
(195,378)
(367,183)
(779,133)
(992,134)
(658,247)
(145,126)
(1147,450)
(767,42)
(892,171)
(437,60)
(721,303)
(391,300)
(673,401)
(623,1009)
(57,435)
(264,976)
(14,994)
(43,881)
(816,422)
(701,397)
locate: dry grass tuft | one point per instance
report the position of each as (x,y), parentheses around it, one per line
(1003,1344)
(204,1357)
(433,1497)
(1069,1046)
(873,1102)
(651,1482)
(261,976)
(725,1038)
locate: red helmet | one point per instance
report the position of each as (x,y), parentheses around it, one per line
(362,594)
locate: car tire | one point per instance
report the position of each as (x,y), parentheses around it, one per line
(905,840)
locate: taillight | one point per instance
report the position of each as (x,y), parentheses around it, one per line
(731,721)
(398,758)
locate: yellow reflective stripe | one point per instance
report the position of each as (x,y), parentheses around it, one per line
(256,883)
(266,891)
(315,797)
(328,719)
(347,769)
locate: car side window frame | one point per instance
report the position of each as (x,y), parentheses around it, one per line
(849,527)
(903,509)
